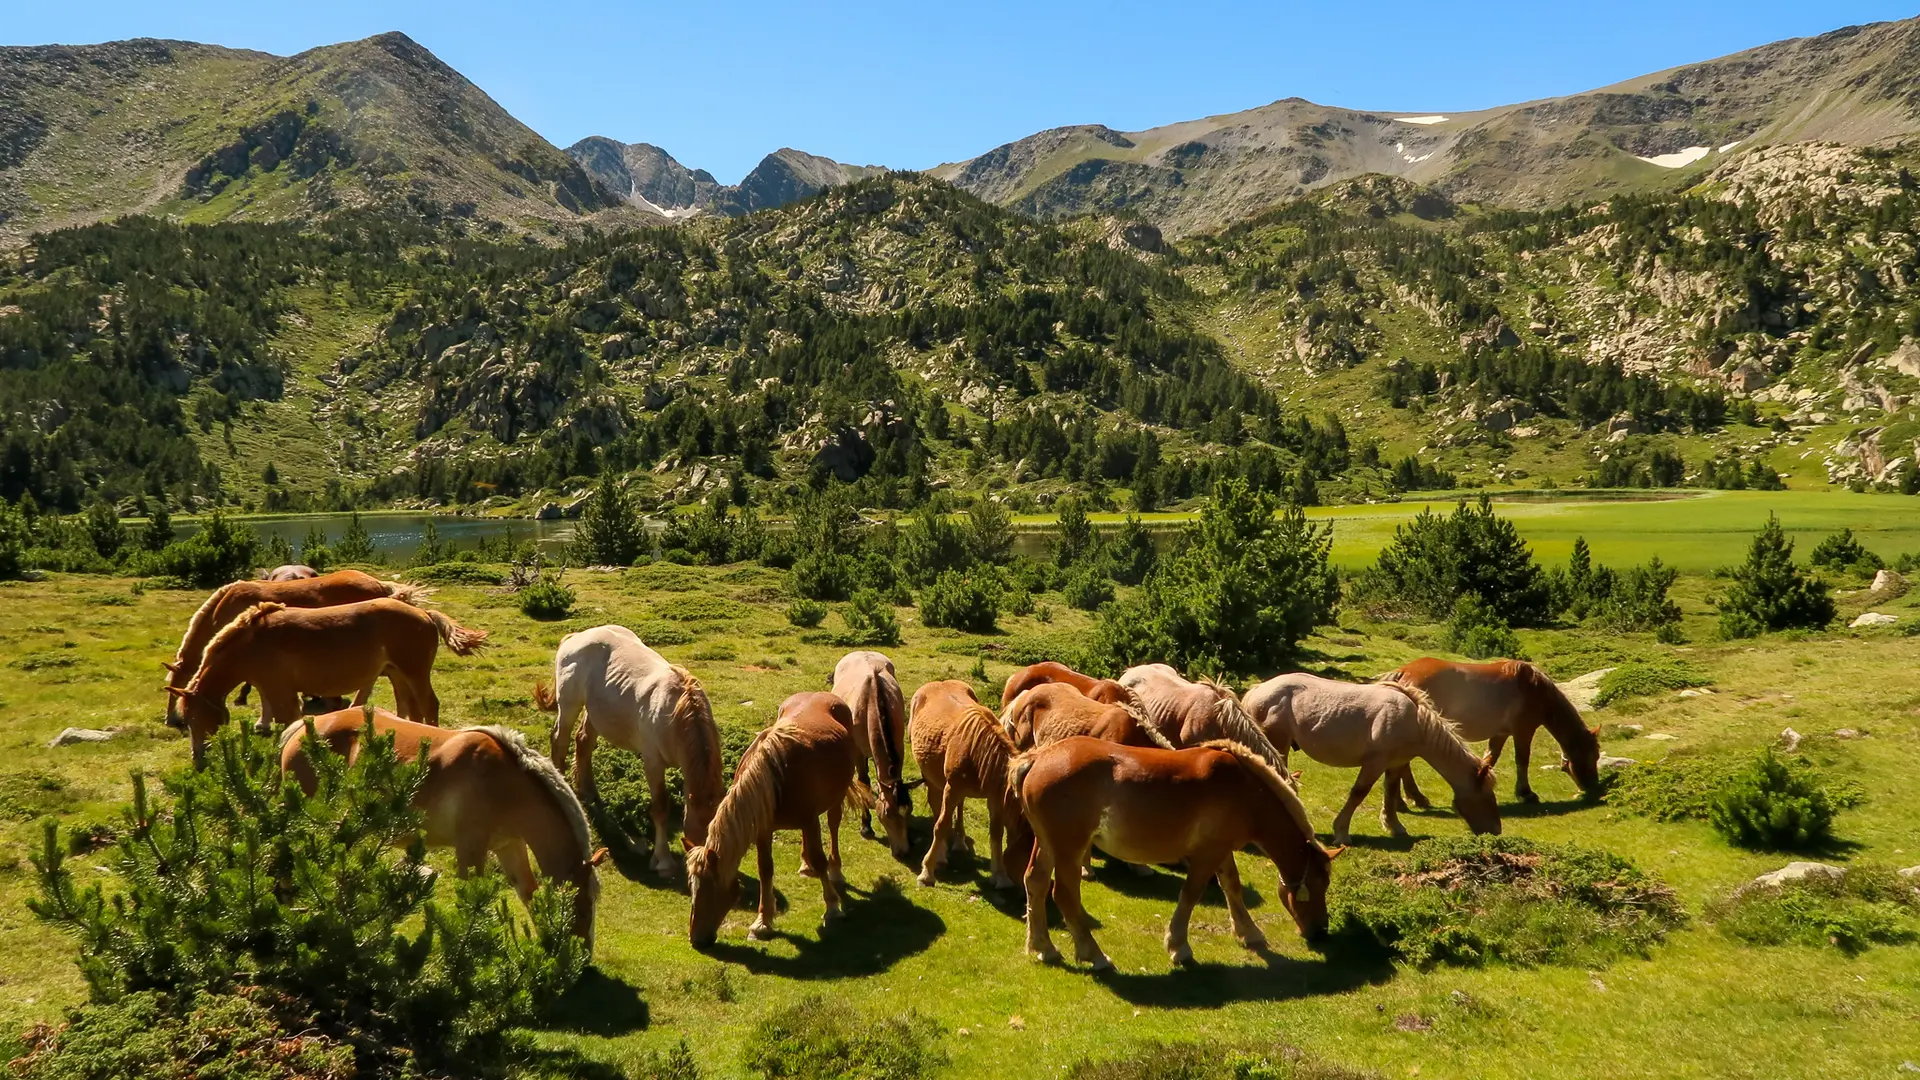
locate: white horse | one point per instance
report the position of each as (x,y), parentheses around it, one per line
(642,704)
(1377,728)
(1188,713)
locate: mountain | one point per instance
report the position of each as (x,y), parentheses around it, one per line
(212,134)
(1857,86)
(653,180)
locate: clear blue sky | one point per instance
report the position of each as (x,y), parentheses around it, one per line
(912,84)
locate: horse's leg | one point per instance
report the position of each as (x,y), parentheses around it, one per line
(1199,876)
(1244,927)
(938,801)
(816,857)
(960,840)
(281,707)
(1389,812)
(245,687)
(1066,894)
(762,927)
(514,865)
(585,738)
(1039,875)
(996,830)
(1522,758)
(426,700)
(1412,790)
(1343,821)
(834,873)
(658,805)
(866,816)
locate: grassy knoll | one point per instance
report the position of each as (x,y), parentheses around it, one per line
(85,651)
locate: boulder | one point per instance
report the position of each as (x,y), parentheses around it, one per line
(1746,377)
(1905,359)
(1137,235)
(549,512)
(1502,415)
(1910,873)
(72,735)
(1582,690)
(847,455)
(1790,740)
(1888,581)
(1610,761)
(1845,733)
(1874,618)
(1793,873)
(1622,426)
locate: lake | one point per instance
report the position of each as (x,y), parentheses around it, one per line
(396,536)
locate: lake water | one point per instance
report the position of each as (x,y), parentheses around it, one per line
(397,536)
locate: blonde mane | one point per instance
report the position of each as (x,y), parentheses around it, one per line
(201,617)
(241,623)
(986,740)
(1138,712)
(693,719)
(1251,760)
(1231,717)
(543,772)
(1425,710)
(748,808)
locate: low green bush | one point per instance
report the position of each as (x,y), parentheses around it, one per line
(962,600)
(458,573)
(1680,788)
(806,613)
(1475,630)
(870,622)
(1772,807)
(1640,678)
(220,552)
(1470,901)
(255,1036)
(1870,905)
(547,599)
(818,1039)
(1087,588)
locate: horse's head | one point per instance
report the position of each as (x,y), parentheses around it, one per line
(1478,804)
(1584,764)
(1306,898)
(894,804)
(714,890)
(201,713)
(176,679)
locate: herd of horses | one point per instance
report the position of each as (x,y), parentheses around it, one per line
(1150,769)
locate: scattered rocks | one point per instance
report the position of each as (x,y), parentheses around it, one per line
(72,735)
(1610,761)
(1661,736)
(1696,691)
(1847,733)
(1910,873)
(549,512)
(1874,618)
(1792,873)
(1582,690)
(1635,728)
(1790,739)
(1412,1022)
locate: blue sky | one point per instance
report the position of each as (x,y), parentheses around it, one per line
(912,85)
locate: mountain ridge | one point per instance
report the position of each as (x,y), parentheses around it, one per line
(656,181)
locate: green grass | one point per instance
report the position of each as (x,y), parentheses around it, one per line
(1701,1003)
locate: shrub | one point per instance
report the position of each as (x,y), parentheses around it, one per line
(1074,538)
(1838,552)
(457,573)
(1131,554)
(547,599)
(674,1064)
(1639,678)
(610,532)
(239,1037)
(1770,593)
(359,939)
(1207,1061)
(1432,561)
(1869,905)
(715,535)
(1475,630)
(1088,588)
(816,1039)
(870,621)
(1473,900)
(932,544)
(1773,808)
(215,555)
(962,600)
(104,530)
(158,532)
(805,612)
(13,542)
(355,546)
(1240,593)
(1680,788)
(990,532)
(1637,599)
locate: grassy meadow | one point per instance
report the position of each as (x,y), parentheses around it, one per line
(86,651)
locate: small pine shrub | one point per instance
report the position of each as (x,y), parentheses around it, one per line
(961,600)
(1841,553)
(1771,807)
(1475,630)
(870,621)
(674,1064)
(806,613)
(1680,788)
(547,599)
(220,552)
(1870,905)
(1641,678)
(1770,593)
(253,1036)
(1087,589)
(818,1039)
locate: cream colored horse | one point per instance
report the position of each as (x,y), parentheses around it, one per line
(1188,713)
(1376,728)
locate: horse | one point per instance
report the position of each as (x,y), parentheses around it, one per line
(289,572)
(1105,691)
(646,706)
(1050,711)
(228,601)
(1191,713)
(964,753)
(321,651)
(485,791)
(1156,806)
(865,681)
(1378,728)
(1501,700)
(794,771)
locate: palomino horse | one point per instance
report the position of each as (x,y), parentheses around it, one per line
(485,791)
(1050,711)
(1191,713)
(289,572)
(1156,806)
(1376,728)
(1105,691)
(1501,700)
(793,772)
(228,601)
(324,652)
(865,681)
(964,753)
(643,705)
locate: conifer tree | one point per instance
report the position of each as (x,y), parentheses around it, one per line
(1771,593)
(610,532)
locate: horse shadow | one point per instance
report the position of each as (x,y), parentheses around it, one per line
(601,1004)
(878,928)
(1166,883)
(965,867)
(1546,809)
(1343,965)
(1385,843)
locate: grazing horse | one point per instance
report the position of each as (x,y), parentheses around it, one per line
(1105,691)
(289,572)
(793,772)
(1376,728)
(287,652)
(228,601)
(964,753)
(1051,711)
(865,681)
(1501,700)
(643,705)
(1149,805)
(485,791)
(1191,713)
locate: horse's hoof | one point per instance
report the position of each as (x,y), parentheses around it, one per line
(1529,796)
(1181,957)
(1255,941)
(1048,955)
(1001,881)
(832,916)
(866,833)
(1099,962)
(966,844)
(808,871)
(759,931)
(927,878)
(834,875)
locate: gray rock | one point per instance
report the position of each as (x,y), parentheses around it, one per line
(1582,690)
(549,512)
(1609,761)
(1874,618)
(1846,733)
(1911,873)
(1793,873)
(1887,581)
(72,735)
(1790,739)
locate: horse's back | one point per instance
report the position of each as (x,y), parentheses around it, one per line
(610,667)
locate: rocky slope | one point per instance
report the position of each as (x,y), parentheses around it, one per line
(654,181)
(210,134)
(1856,86)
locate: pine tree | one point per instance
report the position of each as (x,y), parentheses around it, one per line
(104,529)
(159,531)
(1074,539)
(610,532)
(1771,593)
(355,545)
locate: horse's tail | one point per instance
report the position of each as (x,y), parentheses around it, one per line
(860,796)
(544,698)
(463,641)
(408,593)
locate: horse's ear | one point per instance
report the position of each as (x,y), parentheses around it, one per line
(600,856)
(911,784)
(176,691)
(685,844)
(1334,852)
(1594,730)
(170,665)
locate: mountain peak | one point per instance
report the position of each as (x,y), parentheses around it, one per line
(649,177)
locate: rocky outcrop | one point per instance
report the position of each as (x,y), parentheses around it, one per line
(649,177)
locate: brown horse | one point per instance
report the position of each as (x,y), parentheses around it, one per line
(646,706)
(1105,691)
(289,572)
(964,753)
(793,772)
(485,791)
(1501,700)
(1156,806)
(228,601)
(1376,728)
(287,652)
(1051,711)
(865,681)
(1190,713)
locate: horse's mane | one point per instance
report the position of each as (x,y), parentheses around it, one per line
(693,719)
(748,808)
(1276,783)
(1560,716)
(1138,711)
(201,617)
(989,748)
(1231,717)
(889,746)
(241,624)
(543,772)
(1425,710)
